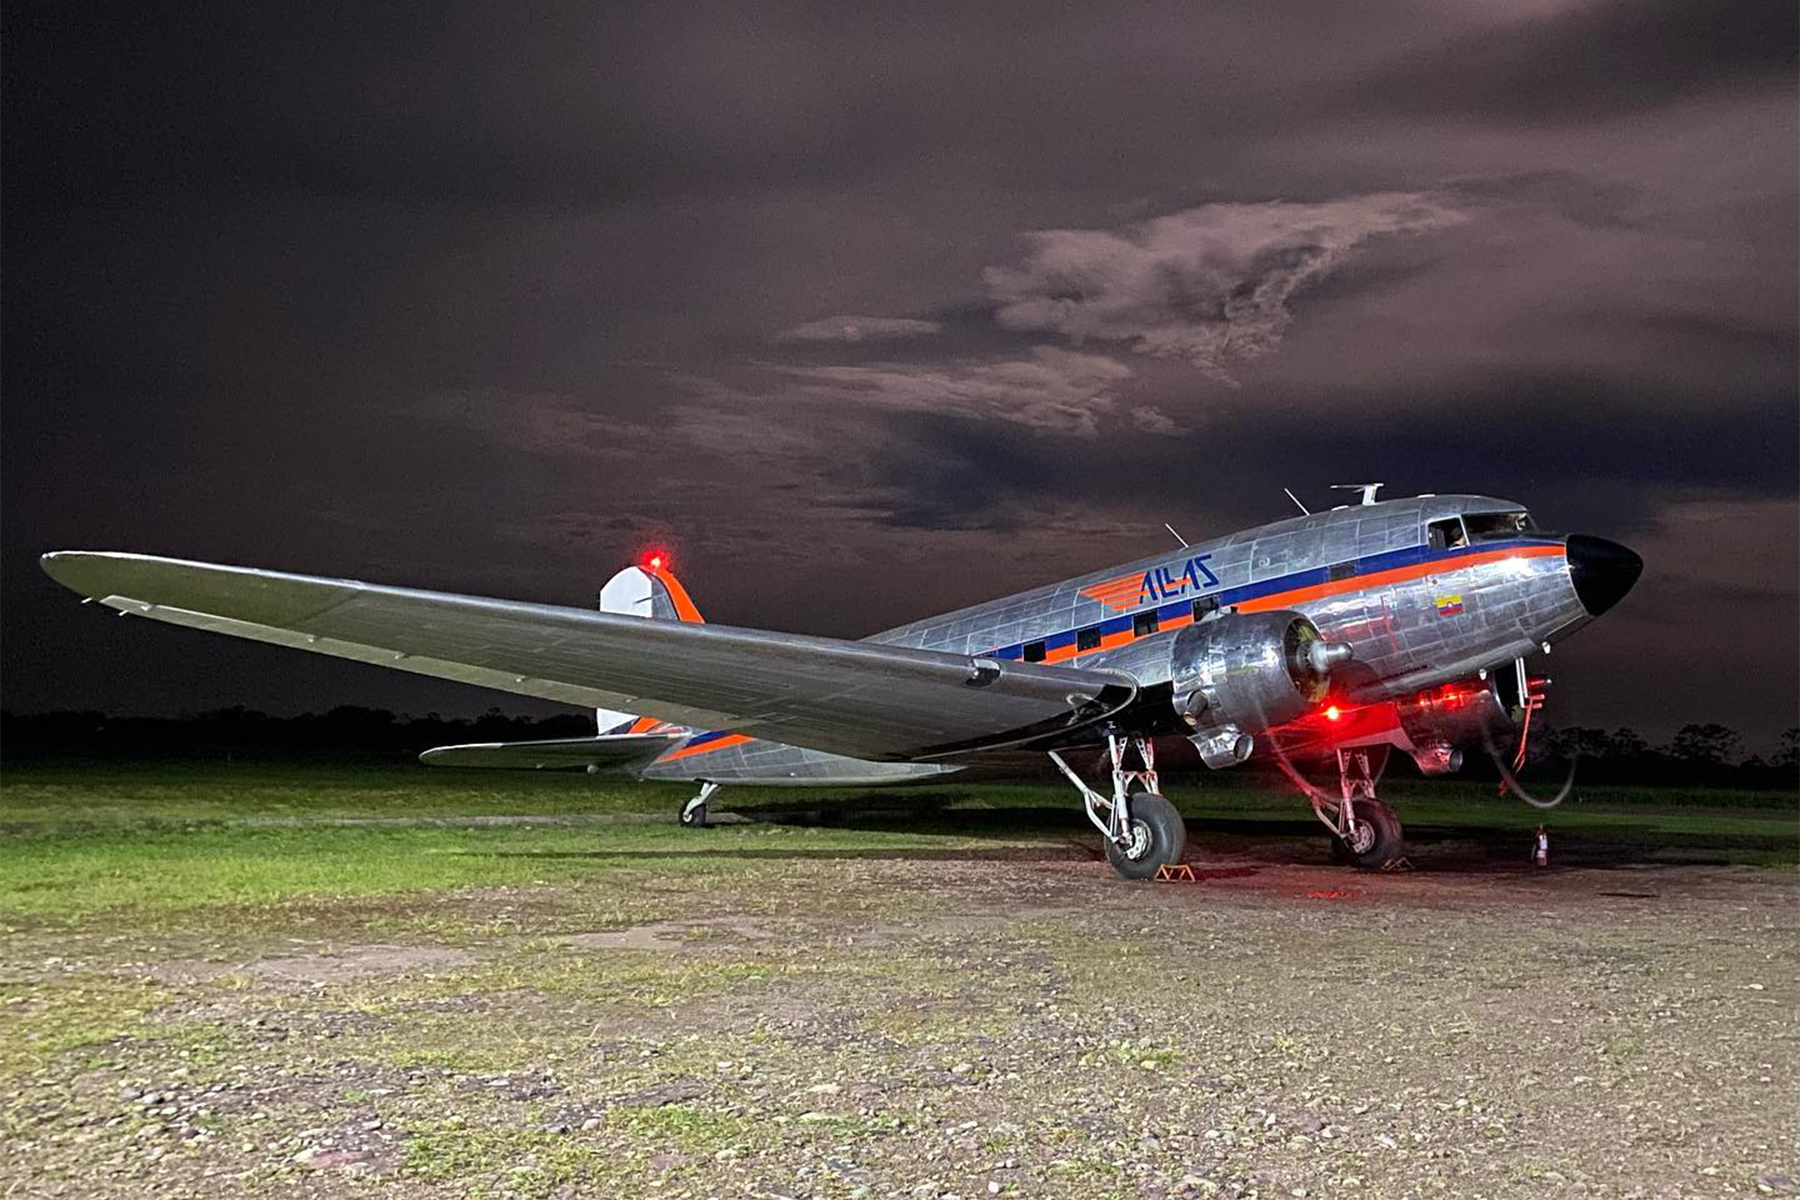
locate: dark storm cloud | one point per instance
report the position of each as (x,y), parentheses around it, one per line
(571,105)
(1505,435)
(486,297)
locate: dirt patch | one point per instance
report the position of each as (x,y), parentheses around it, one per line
(674,935)
(338,965)
(876,1026)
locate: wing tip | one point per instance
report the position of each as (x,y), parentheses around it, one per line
(87,571)
(95,573)
(64,566)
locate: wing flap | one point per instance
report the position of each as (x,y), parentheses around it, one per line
(863,699)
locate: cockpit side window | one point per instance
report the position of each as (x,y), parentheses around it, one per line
(1446,534)
(1489,527)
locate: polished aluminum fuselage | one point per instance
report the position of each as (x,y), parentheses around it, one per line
(1416,615)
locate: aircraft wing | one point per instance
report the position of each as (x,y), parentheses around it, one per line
(862,699)
(608,750)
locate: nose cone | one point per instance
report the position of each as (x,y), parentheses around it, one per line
(1602,571)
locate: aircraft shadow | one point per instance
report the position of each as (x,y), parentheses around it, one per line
(1008,854)
(1234,844)
(1292,839)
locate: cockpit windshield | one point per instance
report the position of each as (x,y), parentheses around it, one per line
(1490,527)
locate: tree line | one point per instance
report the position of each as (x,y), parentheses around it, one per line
(348,730)
(1699,753)
(1706,754)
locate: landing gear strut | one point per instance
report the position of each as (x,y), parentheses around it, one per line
(1365,832)
(693,813)
(1143,831)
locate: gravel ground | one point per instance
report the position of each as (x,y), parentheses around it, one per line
(982,1020)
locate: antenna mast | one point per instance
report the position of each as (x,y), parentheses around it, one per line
(1368,490)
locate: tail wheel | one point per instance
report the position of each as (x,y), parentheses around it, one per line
(1374,839)
(1158,838)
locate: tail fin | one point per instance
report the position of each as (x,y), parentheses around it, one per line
(650,590)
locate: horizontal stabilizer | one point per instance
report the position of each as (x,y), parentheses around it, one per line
(619,752)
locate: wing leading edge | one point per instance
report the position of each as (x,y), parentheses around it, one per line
(862,699)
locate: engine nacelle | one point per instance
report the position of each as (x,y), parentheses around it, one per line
(1440,721)
(1234,676)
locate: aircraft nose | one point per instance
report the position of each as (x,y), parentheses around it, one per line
(1602,571)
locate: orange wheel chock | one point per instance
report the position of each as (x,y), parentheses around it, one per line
(1175,873)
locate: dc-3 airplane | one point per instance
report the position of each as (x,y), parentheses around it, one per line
(1393,623)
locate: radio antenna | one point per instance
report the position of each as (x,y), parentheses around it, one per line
(1175,535)
(1290,495)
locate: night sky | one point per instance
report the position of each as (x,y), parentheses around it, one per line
(875,310)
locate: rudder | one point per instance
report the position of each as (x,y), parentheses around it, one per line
(648,590)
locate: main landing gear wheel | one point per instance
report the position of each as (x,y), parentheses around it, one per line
(693,813)
(1157,838)
(1365,832)
(1143,831)
(1373,840)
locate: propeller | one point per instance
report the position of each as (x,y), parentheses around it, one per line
(1530,701)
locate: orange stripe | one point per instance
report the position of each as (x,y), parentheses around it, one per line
(1338,587)
(1358,583)
(684,607)
(644,725)
(736,739)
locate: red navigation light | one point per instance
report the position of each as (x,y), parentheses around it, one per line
(656,560)
(1333,713)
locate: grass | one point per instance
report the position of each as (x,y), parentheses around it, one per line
(162,841)
(527,1162)
(158,873)
(183,794)
(686,1127)
(40,1021)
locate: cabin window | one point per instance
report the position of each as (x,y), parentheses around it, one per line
(1034,652)
(1446,535)
(1489,527)
(1343,570)
(1088,639)
(1144,623)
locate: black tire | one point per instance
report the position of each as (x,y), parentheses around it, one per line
(693,816)
(1159,837)
(1376,842)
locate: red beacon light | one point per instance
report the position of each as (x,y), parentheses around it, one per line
(656,560)
(1333,713)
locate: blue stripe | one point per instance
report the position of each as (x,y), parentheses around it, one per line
(1372,564)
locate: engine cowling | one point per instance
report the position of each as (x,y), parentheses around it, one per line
(1440,721)
(1234,676)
